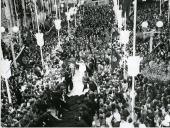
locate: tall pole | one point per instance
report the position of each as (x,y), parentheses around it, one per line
(8,91)
(59,10)
(151,41)
(134,27)
(124,62)
(124,49)
(168,12)
(58,35)
(12,22)
(13,53)
(42,61)
(36,15)
(23,5)
(68,20)
(1,53)
(160,8)
(134,43)
(38,32)
(75,18)
(56,10)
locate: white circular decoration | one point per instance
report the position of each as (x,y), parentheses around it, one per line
(159,24)
(145,24)
(15,29)
(2,29)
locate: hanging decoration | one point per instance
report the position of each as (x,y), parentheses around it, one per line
(57,24)
(40,39)
(5,72)
(5,68)
(124,36)
(133,63)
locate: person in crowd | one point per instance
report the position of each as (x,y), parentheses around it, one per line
(68,79)
(85,80)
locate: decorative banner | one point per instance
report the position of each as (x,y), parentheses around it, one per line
(68,16)
(57,24)
(5,70)
(133,63)
(124,36)
(40,39)
(73,11)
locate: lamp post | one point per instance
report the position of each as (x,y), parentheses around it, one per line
(159,24)
(1,53)
(15,30)
(160,8)
(134,43)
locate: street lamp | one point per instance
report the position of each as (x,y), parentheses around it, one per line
(159,24)
(144,25)
(1,53)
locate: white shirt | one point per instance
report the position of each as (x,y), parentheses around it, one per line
(142,126)
(166,122)
(117,117)
(124,124)
(109,120)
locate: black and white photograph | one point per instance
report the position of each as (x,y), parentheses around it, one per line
(85,63)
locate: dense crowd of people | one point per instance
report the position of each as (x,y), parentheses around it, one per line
(152,15)
(38,91)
